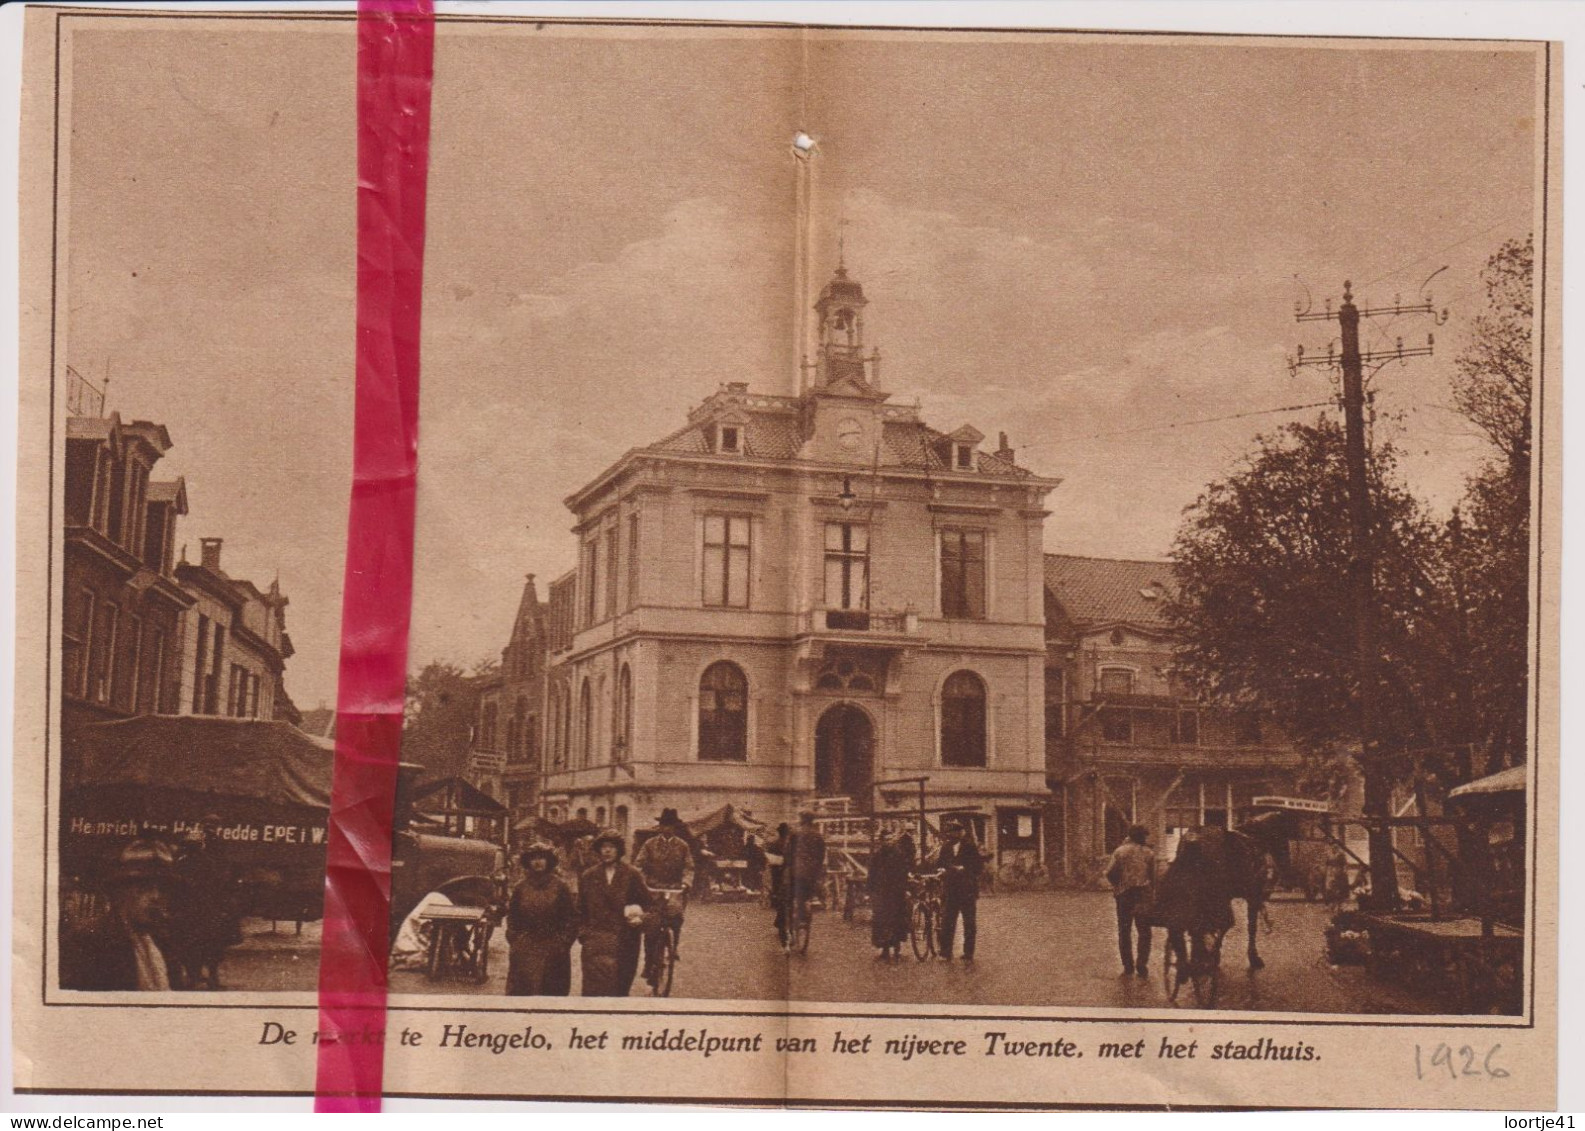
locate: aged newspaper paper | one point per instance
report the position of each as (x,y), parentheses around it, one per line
(985,568)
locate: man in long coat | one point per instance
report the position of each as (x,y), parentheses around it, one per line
(888,888)
(611,901)
(960,860)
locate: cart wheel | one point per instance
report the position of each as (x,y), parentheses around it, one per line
(481,963)
(921,932)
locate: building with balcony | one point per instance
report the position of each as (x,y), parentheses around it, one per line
(793,597)
(505,758)
(1127,742)
(122,607)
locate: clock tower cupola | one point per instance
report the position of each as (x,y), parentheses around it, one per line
(840,309)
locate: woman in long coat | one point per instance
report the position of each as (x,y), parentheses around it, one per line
(888,888)
(541,924)
(612,900)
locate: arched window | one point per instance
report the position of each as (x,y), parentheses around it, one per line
(621,747)
(963,720)
(520,719)
(723,714)
(585,725)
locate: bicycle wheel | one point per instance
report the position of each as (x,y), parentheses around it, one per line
(921,932)
(804,924)
(1170,981)
(666,967)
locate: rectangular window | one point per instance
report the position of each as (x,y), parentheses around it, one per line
(1117,681)
(611,565)
(235,695)
(212,695)
(591,579)
(128,694)
(1117,724)
(1056,704)
(632,561)
(847,553)
(157,673)
(200,664)
(104,677)
(79,660)
(726,560)
(1246,728)
(1186,729)
(963,574)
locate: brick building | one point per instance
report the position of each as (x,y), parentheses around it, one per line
(234,643)
(797,596)
(505,756)
(1127,742)
(121,605)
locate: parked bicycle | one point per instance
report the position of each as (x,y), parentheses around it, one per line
(924,913)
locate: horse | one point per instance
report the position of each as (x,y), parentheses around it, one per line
(1241,854)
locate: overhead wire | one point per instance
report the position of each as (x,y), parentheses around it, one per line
(1176,424)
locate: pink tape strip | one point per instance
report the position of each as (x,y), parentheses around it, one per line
(396,42)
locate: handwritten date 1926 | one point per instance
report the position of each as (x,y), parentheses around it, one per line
(1458,1063)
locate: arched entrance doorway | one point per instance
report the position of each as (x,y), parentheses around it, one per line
(845,754)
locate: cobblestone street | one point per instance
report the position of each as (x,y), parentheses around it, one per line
(1035,948)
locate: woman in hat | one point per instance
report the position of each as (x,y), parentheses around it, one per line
(541,924)
(888,887)
(612,900)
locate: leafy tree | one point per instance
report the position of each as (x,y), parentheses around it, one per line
(441,706)
(1489,541)
(1265,607)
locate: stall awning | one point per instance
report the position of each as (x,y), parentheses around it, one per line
(256,759)
(701,824)
(1511,780)
(455,795)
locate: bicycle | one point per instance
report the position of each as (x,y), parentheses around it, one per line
(924,913)
(1203,972)
(799,920)
(664,965)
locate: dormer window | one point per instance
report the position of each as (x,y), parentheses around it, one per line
(964,459)
(729,438)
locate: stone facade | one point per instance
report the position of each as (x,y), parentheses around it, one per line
(234,642)
(795,597)
(1128,743)
(505,757)
(121,605)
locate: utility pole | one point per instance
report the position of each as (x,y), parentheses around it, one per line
(1362,564)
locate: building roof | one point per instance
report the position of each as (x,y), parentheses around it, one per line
(1096,591)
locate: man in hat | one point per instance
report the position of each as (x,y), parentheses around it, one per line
(960,860)
(804,873)
(1132,874)
(612,900)
(125,950)
(666,863)
(541,924)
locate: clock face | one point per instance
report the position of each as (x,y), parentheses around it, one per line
(849,432)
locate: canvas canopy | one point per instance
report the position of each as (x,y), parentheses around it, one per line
(242,759)
(1511,780)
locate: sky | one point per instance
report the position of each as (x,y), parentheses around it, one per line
(1085,243)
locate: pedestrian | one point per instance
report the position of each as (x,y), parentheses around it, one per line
(888,889)
(612,900)
(127,949)
(960,861)
(1132,874)
(205,921)
(753,864)
(905,845)
(803,871)
(666,863)
(541,925)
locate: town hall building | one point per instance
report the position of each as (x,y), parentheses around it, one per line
(801,597)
